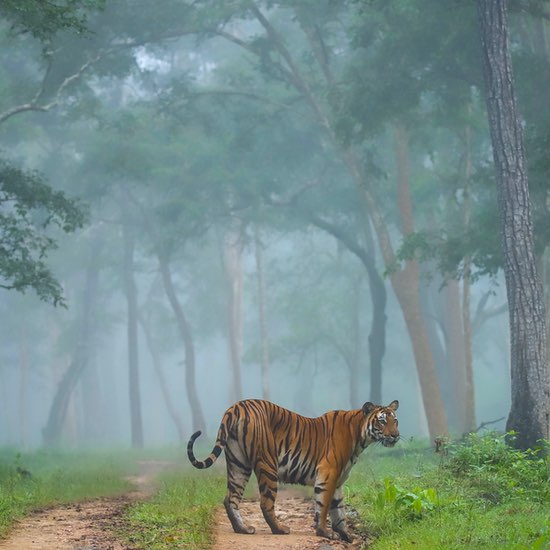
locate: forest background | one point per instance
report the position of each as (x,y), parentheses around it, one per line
(289,200)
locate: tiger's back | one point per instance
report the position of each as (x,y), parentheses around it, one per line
(282,446)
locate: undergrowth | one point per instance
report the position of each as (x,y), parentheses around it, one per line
(483,494)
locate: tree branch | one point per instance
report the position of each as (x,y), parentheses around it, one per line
(33,105)
(482,315)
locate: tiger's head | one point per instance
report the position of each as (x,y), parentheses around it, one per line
(381,423)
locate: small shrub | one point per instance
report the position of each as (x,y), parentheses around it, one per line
(498,471)
(412,502)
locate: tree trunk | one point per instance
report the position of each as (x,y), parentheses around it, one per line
(355,364)
(456,356)
(431,301)
(232,261)
(377,333)
(377,288)
(406,284)
(264,338)
(197,416)
(530,410)
(53,429)
(132,334)
(23,383)
(470,404)
(157,365)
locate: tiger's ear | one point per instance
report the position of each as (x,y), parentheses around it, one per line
(394,405)
(368,407)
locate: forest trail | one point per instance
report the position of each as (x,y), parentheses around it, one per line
(83,525)
(295,509)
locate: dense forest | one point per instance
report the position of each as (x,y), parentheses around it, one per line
(317,202)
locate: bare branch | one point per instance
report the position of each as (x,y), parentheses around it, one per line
(482,315)
(487,423)
(34,106)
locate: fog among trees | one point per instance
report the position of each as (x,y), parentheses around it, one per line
(316,202)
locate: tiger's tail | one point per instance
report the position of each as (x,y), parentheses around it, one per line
(213,456)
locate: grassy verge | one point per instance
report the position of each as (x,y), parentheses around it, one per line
(29,481)
(482,495)
(180,515)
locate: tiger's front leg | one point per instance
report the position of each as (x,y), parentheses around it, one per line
(325,487)
(329,499)
(338,516)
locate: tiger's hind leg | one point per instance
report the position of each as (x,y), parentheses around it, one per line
(268,482)
(238,474)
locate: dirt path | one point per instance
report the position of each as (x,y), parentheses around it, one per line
(91,525)
(85,525)
(295,510)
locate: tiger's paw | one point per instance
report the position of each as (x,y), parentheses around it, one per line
(280,530)
(325,533)
(246,530)
(344,535)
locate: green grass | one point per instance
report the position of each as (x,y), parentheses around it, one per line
(181,513)
(30,481)
(482,495)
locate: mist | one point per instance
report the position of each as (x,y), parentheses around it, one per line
(259,202)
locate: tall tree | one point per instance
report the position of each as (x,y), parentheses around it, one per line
(530,410)
(130,289)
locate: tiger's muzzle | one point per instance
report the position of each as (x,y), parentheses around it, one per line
(390,440)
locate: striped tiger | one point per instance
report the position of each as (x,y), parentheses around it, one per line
(282,446)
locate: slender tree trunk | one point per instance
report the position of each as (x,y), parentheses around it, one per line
(90,386)
(377,333)
(530,411)
(264,337)
(377,289)
(355,364)
(165,390)
(197,416)
(132,334)
(456,356)
(432,308)
(406,284)
(470,404)
(53,429)
(232,261)
(23,383)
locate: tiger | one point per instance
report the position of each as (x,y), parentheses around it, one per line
(282,446)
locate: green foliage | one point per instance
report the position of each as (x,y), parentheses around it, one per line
(484,494)
(28,207)
(412,502)
(497,472)
(179,516)
(45,19)
(33,480)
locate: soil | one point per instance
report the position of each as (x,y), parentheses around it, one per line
(86,525)
(92,525)
(296,510)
